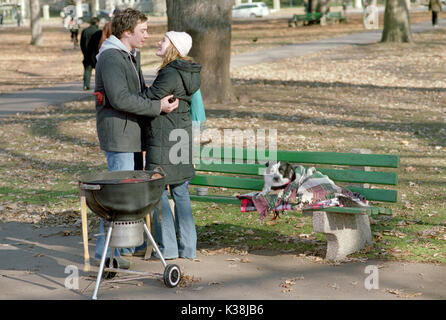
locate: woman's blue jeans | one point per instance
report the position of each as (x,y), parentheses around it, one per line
(116,161)
(176,238)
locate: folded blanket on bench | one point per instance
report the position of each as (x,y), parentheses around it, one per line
(310,190)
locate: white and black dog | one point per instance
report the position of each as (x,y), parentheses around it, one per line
(277,176)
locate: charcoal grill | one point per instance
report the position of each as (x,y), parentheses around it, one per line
(123,199)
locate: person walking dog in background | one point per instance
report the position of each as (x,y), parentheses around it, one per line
(86,36)
(180,76)
(119,86)
(435,7)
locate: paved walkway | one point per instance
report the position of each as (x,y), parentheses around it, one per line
(40,263)
(29,100)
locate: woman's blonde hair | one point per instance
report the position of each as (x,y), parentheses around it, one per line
(172,54)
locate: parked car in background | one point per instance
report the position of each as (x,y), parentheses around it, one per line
(250,10)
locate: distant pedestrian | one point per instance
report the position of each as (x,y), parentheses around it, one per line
(1,17)
(86,36)
(74,30)
(18,16)
(95,43)
(66,21)
(435,7)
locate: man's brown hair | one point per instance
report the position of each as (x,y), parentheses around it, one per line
(126,20)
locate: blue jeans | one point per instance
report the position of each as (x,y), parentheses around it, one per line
(116,161)
(171,247)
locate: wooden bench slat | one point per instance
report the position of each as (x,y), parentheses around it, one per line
(334,158)
(351,159)
(358,176)
(216,199)
(350,210)
(352,176)
(228,182)
(376,194)
(257,185)
(235,168)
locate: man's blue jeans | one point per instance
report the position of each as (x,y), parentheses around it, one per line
(116,161)
(185,245)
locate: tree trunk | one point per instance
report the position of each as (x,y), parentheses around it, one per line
(159,8)
(36,27)
(396,22)
(209,24)
(94,5)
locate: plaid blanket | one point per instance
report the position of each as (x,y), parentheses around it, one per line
(310,190)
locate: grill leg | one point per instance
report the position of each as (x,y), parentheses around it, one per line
(149,235)
(101,267)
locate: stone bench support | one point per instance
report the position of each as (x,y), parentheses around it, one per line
(346,233)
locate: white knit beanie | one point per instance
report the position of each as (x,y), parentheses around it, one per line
(181,40)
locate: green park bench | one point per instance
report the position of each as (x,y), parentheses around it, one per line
(347,228)
(336,17)
(304,18)
(332,17)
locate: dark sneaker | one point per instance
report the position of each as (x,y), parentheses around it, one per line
(122,263)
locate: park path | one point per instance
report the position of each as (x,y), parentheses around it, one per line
(29,100)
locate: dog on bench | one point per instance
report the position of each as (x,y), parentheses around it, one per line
(278,175)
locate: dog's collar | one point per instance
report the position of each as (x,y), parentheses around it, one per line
(280,187)
(293,177)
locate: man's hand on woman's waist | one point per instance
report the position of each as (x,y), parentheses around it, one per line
(168,107)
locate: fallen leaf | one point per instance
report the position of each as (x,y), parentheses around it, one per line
(402,294)
(334,286)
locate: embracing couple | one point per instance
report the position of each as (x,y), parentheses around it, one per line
(131,117)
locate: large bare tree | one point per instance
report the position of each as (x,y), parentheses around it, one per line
(36,27)
(396,22)
(209,24)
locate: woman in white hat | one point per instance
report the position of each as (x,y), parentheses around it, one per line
(168,141)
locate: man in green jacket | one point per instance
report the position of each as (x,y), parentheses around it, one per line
(120,102)
(85,39)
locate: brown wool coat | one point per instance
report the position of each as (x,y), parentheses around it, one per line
(435,5)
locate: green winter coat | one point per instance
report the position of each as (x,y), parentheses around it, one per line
(180,78)
(85,39)
(119,77)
